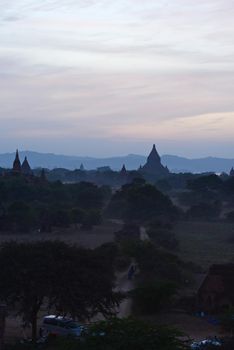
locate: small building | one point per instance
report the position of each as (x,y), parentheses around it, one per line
(216,293)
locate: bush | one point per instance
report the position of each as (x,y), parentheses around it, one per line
(230,216)
(204,211)
(91,218)
(128,232)
(122,334)
(154,262)
(163,238)
(152,298)
(227,320)
(141,202)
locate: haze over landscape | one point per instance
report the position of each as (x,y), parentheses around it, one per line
(116,174)
(103,78)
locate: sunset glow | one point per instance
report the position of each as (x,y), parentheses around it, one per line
(100,77)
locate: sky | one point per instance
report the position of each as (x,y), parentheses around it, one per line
(107,77)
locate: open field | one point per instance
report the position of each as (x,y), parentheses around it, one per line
(205,243)
(89,239)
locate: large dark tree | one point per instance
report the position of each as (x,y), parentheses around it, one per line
(141,202)
(65,279)
(205,183)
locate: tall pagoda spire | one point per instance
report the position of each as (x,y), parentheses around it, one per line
(232,172)
(16,163)
(82,168)
(123,171)
(154,166)
(26,170)
(153,156)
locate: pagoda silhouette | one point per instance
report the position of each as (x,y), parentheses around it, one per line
(24,170)
(154,166)
(21,169)
(17,169)
(231,172)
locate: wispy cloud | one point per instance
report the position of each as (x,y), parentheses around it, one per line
(105,68)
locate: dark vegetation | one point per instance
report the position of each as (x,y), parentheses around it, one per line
(63,279)
(117,334)
(151,298)
(27,205)
(162,235)
(29,271)
(141,202)
(33,205)
(102,176)
(161,275)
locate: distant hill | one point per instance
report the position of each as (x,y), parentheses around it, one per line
(132,161)
(51,161)
(208,164)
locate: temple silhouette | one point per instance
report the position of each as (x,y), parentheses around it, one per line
(152,170)
(154,166)
(23,168)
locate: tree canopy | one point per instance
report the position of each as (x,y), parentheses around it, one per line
(64,279)
(29,205)
(141,202)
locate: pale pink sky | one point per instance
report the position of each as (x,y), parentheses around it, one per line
(105,77)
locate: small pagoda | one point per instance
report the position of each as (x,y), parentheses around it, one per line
(232,172)
(23,169)
(26,169)
(123,171)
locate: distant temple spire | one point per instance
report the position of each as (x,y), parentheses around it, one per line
(232,172)
(123,171)
(82,168)
(17,164)
(26,169)
(43,175)
(154,166)
(154,156)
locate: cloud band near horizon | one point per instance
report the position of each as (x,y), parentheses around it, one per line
(121,73)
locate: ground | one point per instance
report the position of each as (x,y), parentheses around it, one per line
(205,243)
(194,327)
(201,242)
(89,239)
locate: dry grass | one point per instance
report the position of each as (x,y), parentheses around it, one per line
(205,243)
(89,239)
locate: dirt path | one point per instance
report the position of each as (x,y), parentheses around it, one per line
(124,284)
(143,234)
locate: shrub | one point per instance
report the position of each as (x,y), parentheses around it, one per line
(151,298)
